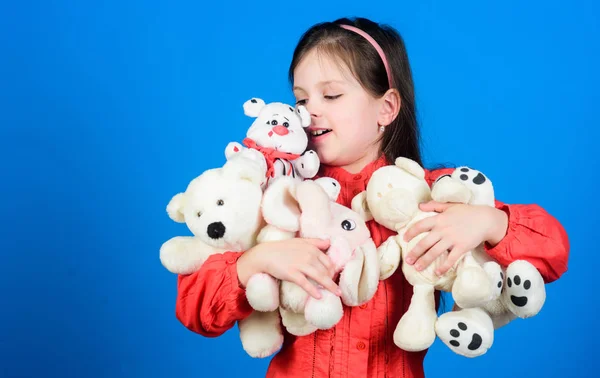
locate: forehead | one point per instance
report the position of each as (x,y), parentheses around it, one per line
(319,68)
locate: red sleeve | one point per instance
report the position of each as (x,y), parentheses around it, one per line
(210,301)
(532,235)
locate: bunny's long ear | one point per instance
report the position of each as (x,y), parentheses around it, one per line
(253,107)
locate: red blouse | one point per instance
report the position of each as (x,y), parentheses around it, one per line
(210,301)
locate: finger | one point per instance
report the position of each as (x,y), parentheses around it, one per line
(433,253)
(434,206)
(319,275)
(422,246)
(322,244)
(326,261)
(453,257)
(421,226)
(300,279)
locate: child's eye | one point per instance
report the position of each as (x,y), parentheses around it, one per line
(300,102)
(333,97)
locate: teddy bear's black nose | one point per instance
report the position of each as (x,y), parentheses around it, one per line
(215,230)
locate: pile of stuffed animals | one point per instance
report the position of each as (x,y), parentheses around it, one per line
(267,190)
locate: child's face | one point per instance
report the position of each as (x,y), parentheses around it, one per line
(340,109)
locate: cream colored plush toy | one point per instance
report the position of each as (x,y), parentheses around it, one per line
(392,199)
(307,209)
(222,209)
(519,289)
(278,133)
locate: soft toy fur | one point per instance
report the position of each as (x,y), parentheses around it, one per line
(278,133)
(308,209)
(519,289)
(392,199)
(222,209)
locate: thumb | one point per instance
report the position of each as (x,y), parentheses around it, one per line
(435,206)
(322,244)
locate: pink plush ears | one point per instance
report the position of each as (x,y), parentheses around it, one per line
(279,205)
(304,115)
(253,107)
(360,206)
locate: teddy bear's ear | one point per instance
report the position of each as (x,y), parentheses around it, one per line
(175,208)
(361,206)
(253,107)
(304,116)
(411,167)
(243,168)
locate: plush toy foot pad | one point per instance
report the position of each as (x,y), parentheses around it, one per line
(468,332)
(524,291)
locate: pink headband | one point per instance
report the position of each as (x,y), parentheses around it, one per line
(376,46)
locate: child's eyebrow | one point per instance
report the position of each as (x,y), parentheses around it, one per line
(321,83)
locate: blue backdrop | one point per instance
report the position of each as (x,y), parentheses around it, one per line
(107,110)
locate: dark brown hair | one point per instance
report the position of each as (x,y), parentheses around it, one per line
(401,137)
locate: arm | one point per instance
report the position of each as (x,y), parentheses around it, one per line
(211,300)
(532,235)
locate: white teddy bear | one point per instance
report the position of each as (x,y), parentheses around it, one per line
(519,289)
(222,209)
(278,133)
(392,199)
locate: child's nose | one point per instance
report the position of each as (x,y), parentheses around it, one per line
(280,130)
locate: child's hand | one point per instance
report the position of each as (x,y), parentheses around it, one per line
(293,260)
(458,229)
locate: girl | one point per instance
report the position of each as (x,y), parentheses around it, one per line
(355,79)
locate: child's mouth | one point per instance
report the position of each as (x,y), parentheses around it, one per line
(317,133)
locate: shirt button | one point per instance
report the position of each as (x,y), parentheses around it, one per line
(357,177)
(360,345)
(363,306)
(356,191)
(230,260)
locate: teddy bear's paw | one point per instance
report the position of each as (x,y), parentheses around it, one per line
(292,297)
(524,293)
(389,258)
(295,323)
(308,164)
(481,188)
(261,334)
(232,149)
(415,332)
(262,292)
(468,332)
(324,313)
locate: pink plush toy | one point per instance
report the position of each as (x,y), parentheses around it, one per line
(308,209)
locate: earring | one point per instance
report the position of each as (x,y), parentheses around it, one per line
(381,129)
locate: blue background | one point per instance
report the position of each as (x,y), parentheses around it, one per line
(107,110)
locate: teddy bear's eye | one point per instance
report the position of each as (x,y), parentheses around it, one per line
(274,122)
(199,214)
(220,202)
(286,124)
(348,225)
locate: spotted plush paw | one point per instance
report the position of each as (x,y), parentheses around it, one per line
(468,332)
(524,293)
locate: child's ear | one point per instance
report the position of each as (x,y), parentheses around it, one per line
(390,107)
(253,107)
